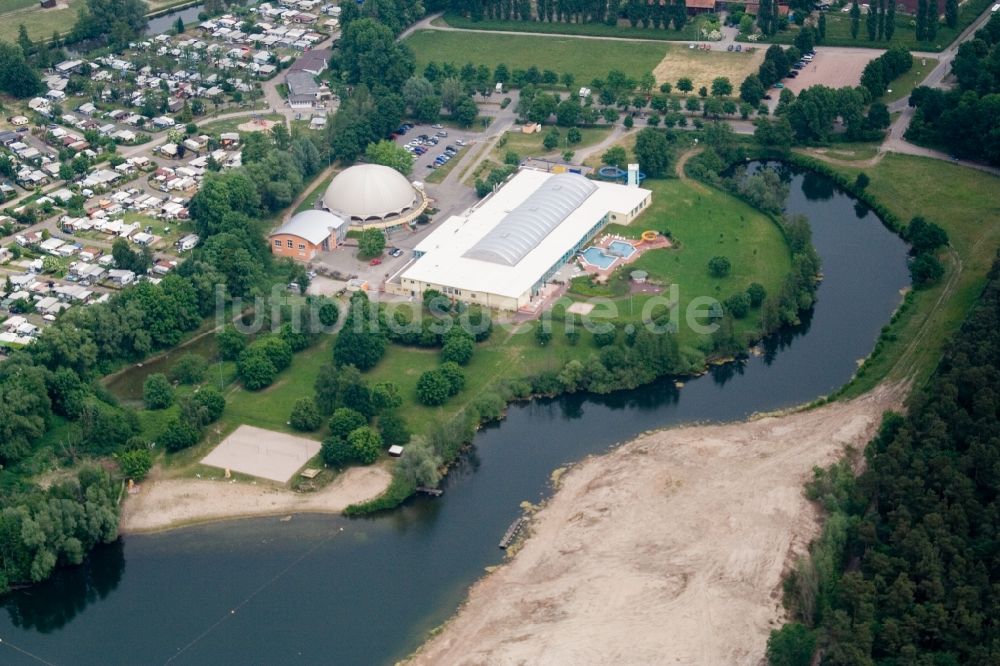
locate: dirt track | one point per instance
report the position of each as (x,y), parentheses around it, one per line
(669,550)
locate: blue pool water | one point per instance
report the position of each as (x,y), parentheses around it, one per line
(621,249)
(596,257)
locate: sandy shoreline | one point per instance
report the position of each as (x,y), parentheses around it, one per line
(170,503)
(669,549)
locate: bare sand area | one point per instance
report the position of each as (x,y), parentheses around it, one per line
(668,550)
(169,503)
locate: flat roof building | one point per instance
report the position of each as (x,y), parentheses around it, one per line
(501,253)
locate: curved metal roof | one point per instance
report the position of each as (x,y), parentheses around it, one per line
(523,228)
(313,225)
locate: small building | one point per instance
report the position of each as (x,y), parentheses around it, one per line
(307,233)
(188,242)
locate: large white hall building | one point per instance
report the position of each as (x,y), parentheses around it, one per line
(503,251)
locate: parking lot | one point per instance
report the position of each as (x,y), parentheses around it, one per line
(833,67)
(432,146)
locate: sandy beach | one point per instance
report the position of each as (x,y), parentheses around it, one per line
(668,550)
(171,503)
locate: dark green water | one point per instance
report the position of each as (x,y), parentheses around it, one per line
(337,591)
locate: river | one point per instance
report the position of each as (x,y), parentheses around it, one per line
(323,589)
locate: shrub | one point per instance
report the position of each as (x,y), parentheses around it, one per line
(606,337)
(925,270)
(328,312)
(393,428)
(489,407)
(346,420)
(719,266)
(256,369)
(210,403)
(278,351)
(157,392)
(386,395)
(420,465)
(189,369)
(543,334)
(454,375)
(756,293)
(738,305)
(305,417)
(433,388)
(136,463)
(231,343)
(861,182)
(366,445)
(458,347)
(337,452)
(371,243)
(179,435)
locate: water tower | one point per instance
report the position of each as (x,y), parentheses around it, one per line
(633,175)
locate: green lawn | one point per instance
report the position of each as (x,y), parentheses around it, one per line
(531,145)
(39,23)
(707,222)
(14,5)
(838,30)
(955,198)
(904,85)
(585,59)
(689,32)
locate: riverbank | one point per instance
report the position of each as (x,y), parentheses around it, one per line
(671,548)
(171,503)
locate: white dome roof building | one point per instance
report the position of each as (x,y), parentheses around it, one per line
(372,195)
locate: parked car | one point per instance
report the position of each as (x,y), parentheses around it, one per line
(395,252)
(442,134)
(375,262)
(437,126)
(460,142)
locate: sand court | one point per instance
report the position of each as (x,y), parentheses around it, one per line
(263,453)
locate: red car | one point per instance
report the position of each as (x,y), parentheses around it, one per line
(375,262)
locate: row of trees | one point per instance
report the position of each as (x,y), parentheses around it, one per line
(636,12)
(906,566)
(883,70)
(963,120)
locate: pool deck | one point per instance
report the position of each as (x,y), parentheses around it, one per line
(604,242)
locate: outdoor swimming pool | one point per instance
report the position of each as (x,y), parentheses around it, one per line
(621,249)
(605,259)
(595,256)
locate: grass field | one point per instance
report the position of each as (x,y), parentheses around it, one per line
(585,59)
(689,32)
(953,197)
(838,30)
(904,85)
(40,23)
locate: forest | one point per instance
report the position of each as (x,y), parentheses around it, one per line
(966,119)
(907,570)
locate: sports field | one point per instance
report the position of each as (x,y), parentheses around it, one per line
(586,59)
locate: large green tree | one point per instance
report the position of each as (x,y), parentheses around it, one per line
(390,154)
